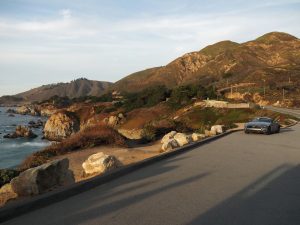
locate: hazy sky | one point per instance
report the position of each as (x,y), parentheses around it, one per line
(51,41)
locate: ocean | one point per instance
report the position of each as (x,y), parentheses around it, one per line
(14,151)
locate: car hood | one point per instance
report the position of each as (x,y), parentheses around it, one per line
(258,124)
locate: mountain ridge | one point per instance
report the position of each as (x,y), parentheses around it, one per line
(257,59)
(74,89)
(272,58)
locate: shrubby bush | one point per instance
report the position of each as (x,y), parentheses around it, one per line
(146,98)
(90,137)
(183,95)
(6,175)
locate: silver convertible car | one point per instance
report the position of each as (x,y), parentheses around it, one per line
(263,125)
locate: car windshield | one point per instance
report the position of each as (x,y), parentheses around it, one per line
(266,120)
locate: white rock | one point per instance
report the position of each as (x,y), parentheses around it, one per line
(183,139)
(209,133)
(168,136)
(100,163)
(169,145)
(197,136)
(218,129)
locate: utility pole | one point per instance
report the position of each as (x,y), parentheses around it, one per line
(231,90)
(264,88)
(283,94)
(289,79)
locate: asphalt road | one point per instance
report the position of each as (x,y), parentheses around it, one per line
(293,112)
(239,179)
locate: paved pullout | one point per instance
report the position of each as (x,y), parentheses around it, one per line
(239,179)
(293,112)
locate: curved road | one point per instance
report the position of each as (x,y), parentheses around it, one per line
(237,180)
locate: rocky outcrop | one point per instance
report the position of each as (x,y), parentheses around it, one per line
(132,134)
(100,163)
(61,125)
(35,124)
(182,139)
(48,111)
(21,131)
(28,110)
(43,178)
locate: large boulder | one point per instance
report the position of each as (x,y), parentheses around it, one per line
(197,136)
(169,145)
(43,178)
(21,131)
(132,134)
(61,125)
(100,163)
(6,194)
(183,139)
(168,137)
(28,110)
(217,129)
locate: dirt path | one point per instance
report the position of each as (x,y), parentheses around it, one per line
(125,155)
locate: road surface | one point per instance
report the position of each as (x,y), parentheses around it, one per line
(293,112)
(237,180)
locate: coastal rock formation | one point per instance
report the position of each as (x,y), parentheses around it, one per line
(169,145)
(21,131)
(100,163)
(27,110)
(183,139)
(61,125)
(42,178)
(48,111)
(197,136)
(39,123)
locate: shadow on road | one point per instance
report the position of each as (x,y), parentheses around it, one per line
(111,207)
(286,130)
(274,199)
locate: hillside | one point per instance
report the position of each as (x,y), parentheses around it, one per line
(274,57)
(77,88)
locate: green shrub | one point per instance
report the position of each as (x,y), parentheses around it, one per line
(149,133)
(6,175)
(146,98)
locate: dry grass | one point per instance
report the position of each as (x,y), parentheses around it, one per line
(90,137)
(138,118)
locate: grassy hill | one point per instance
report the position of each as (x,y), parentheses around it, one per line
(273,57)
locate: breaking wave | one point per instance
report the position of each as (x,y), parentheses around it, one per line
(26,144)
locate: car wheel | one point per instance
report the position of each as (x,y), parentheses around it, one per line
(278,129)
(246,131)
(268,132)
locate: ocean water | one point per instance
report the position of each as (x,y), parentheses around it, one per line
(14,151)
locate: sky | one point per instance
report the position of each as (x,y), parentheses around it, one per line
(52,41)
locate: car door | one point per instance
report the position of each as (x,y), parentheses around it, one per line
(273,126)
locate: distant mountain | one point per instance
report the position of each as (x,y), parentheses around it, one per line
(74,89)
(274,57)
